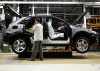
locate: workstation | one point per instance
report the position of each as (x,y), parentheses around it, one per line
(71,31)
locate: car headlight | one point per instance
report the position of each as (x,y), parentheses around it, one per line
(94,32)
(94,35)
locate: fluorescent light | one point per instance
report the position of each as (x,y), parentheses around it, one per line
(96,6)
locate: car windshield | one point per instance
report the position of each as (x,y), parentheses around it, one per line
(16,20)
(24,20)
(59,21)
(19,20)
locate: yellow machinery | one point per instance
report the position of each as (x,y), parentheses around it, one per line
(94,23)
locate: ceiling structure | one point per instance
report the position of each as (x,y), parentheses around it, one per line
(62,10)
(58,0)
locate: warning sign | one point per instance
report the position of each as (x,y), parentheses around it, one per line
(59,51)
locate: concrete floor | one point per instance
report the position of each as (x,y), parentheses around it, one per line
(79,62)
(90,57)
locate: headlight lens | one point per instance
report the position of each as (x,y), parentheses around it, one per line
(94,32)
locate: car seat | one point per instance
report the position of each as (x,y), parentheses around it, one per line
(52,33)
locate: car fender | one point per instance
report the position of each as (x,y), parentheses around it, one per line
(17,35)
(82,34)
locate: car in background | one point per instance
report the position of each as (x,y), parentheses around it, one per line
(56,32)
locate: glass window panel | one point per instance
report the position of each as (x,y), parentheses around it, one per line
(92,21)
(98,20)
(40,10)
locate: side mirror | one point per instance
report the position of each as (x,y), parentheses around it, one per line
(15,27)
(79,25)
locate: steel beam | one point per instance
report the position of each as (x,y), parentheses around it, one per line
(47,2)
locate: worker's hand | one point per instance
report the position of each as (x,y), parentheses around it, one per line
(31,30)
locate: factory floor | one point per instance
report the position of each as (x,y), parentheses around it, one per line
(80,62)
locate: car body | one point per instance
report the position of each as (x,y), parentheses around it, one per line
(56,32)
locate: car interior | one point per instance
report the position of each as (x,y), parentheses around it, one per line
(58,27)
(52,33)
(48,28)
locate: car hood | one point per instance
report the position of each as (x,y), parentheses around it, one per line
(78,29)
(11,11)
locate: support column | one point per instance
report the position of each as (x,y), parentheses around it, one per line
(47,9)
(3,15)
(33,10)
(84,24)
(18,8)
(18,11)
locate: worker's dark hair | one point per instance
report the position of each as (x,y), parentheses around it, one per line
(37,19)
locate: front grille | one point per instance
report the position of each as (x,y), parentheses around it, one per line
(98,38)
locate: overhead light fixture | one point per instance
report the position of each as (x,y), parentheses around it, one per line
(97,6)
(93,6)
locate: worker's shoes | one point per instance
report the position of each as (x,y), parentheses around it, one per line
(41,59)
(31,59)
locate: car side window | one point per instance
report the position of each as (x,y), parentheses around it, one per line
(32,22)
(23,22)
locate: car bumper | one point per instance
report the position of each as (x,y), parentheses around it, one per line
(98,38)
(94,38)
(6,37)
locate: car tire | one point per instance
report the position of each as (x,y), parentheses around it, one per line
(19,45)
(82,45)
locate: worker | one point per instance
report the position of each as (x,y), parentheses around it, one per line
(38,38)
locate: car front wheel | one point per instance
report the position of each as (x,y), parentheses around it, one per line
(19,45)
(82,45)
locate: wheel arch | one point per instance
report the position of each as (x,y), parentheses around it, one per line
(19,35)
(82,34)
